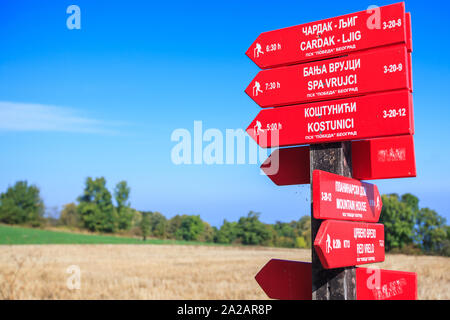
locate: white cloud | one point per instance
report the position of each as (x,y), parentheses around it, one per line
(16,116)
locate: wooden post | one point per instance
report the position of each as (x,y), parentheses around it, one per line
(339,283)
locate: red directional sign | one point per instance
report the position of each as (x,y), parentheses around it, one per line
(291,280)
(286,280)
(381,158)
(379,284)
(378,115)
(356,74)
(384,158)
(288,166)
(347,243)
(331,37)
(342,198)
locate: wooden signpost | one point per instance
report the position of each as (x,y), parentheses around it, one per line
(338,283)
(342,88)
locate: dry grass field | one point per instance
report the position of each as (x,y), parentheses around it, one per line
(170,271)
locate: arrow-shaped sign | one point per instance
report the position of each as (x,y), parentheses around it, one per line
(371,116)
(286,280)
(331,37)
(381,158)
(342,198)
(360,73)
(291,280)
(346,243)
(288,166)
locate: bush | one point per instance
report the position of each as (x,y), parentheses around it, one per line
(191,227)
(252,231)
(69,216)
(300,242)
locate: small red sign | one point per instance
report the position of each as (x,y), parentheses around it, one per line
(286,280)
(384,158)
(288,166)
(331,37)
(347,243)
(379,284)
(381,158)
(342,198)
(291,280)
(360,73)
(377,115)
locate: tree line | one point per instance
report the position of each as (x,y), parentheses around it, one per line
(408,228)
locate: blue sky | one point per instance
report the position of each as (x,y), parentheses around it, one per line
(105,99)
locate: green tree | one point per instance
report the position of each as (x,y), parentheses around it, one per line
(284,229)
(158,225)
(95,207)
(284,235)
(411,201)
(145,225)
(69,215)
(21,204)
(124,212)
(445,248)
(252,231)
(173,225)
(135,218)
(227,232)
(398,218)
(190,229)
(208,233)
(431,231)
(302,229)
(300,242)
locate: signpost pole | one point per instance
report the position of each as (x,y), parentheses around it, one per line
(339,283)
